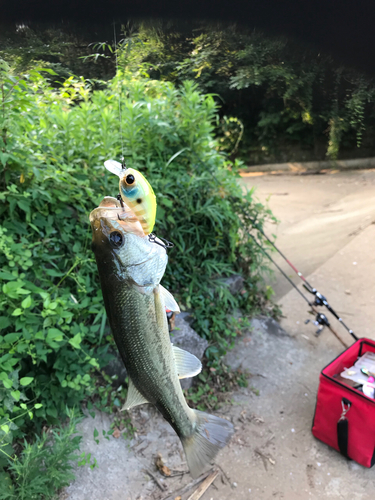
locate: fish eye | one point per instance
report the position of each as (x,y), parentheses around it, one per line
(116,239)
(130,179)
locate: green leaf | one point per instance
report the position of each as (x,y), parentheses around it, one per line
(24,205)
(166,202)
(76,341)
(51,410)
(11,337)
(4,322)
(17,312)
(16,395)
(4,275)
(37,406)
(46,70)
(4,158)
(54,335)
(175,156)
(26,303)
(53,272)
(4,428)
(26,381)
(8,384)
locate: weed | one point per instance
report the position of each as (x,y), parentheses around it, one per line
(214,385)
(42,467)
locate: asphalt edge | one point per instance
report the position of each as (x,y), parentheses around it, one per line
(309,167)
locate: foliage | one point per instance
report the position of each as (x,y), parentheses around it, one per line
(284,94)
(61,48)
(52,148)
(293,102)
(214,386)
(229,134)
(44,466)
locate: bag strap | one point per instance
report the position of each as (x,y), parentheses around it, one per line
(343,428)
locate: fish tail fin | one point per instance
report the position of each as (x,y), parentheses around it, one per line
(210,435)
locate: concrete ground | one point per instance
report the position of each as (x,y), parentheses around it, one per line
(327,232)
(319,215)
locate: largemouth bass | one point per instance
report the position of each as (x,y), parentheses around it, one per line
(136,192)
(131,267)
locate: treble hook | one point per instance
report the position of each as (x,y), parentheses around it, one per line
(167,244)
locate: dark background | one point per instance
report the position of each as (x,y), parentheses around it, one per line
(343,28)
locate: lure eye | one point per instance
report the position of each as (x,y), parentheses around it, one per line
(116,239)
(130,179)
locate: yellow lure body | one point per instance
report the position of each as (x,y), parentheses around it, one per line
(136,192)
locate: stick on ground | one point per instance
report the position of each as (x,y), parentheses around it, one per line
(203,487)
(188,487)
(161,486)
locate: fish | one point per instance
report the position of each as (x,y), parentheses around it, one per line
(136,192)
(131,266)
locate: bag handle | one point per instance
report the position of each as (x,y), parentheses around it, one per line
(343,428)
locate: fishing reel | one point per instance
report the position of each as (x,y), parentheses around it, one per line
(321,320)
(320,300)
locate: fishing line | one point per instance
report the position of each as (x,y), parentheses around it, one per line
(279,268)
(119,99)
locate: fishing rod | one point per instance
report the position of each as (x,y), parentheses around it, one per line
(321,319)
(319,300)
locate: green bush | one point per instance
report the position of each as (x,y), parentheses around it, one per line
(53,143)
(44,466)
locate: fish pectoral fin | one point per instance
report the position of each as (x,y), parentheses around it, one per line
(187,364)
(169,300)
(161,317)
(134,397)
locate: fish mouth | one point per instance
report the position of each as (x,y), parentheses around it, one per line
(112,209)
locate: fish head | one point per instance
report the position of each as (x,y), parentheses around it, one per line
(121,248)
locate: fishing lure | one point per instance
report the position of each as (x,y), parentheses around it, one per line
(136,192)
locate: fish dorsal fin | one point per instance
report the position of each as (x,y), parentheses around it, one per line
(169,300)
(134,397)
(187,364)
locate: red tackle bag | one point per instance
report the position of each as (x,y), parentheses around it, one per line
(344,417)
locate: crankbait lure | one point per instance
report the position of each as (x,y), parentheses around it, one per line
(136,192)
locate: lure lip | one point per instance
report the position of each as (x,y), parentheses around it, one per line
(115,167)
